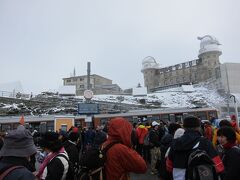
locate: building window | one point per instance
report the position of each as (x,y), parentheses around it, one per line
(81,79)
(68,80)
(186,64)
(180,66)
(81,86)
(194,63)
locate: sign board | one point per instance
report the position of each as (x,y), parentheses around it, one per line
(88,119)
(88,108)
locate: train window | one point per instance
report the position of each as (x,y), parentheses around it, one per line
(135,119)
(179,118)
(212,113)
(35,126)
(155,118)
(165,117)
(149,118)
(185,115)
(50,126)
(201,115)
(77,123)
(43,127)
(103,121)
(6,127)
(15,125)
(64,127)
(172,118)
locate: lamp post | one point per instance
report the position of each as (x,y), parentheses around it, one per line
(236,110)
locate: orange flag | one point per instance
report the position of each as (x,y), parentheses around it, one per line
(21,121)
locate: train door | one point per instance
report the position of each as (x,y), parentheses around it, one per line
(63,122)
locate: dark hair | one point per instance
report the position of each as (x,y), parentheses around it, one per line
(173,127)
(50,140)
(228,132)
(225,123)
(191,122)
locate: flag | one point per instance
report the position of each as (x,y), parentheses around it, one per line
(21,121)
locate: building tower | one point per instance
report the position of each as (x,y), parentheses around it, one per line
(209,55)
(149,67)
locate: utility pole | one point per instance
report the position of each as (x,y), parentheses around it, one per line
(228,90)
(88,74)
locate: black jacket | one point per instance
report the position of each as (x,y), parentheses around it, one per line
(231,159)
(72,151)
(17,174)
(182,147)
(154,138)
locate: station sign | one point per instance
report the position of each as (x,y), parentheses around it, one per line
(88,108)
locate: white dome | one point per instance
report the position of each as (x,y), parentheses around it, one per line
(149,62)
(209,44)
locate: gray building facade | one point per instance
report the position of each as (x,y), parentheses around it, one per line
(98,84)
(206,68)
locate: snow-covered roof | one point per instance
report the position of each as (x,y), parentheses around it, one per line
(139,91)
(188,88)
(67,90)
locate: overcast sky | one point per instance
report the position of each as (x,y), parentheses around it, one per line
(41,41)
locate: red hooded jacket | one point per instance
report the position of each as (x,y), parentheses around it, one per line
(121,158)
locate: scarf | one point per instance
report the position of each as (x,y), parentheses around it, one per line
(229,145)
(49,157)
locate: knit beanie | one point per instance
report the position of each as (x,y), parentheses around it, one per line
(191,122)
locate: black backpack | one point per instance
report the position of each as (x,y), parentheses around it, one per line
(92,163)
(200,166)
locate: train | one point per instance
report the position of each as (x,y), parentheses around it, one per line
(43,123)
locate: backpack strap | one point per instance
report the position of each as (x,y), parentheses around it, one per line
(106,148)
(8,170)
(63,155)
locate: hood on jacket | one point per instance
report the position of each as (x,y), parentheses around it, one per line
(119,129)
(187,141)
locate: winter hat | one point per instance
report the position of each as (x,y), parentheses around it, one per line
(73,136)
(233,117)
(191,122)
(51,141)
(178,133)
(19,143)
(154,123)
(75,130)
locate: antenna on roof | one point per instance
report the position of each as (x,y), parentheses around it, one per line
(74,72)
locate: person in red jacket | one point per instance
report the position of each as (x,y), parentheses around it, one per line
(121,158)
(141,132)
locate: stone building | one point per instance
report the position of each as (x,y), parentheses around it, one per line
(98,84)
(205,68)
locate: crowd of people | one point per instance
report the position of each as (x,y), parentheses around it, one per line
(172,151)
